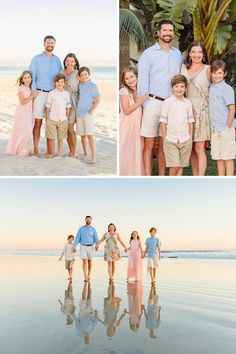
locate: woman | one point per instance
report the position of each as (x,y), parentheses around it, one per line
(71,66)
(112,252)
(197,72)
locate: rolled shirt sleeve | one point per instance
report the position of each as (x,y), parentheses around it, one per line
(164,113)
(190,113)
(143,74)
(33,70)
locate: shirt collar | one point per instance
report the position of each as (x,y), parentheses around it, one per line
(178,99)
(218,84)
(158,47)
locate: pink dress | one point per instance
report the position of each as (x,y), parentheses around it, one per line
(131,143)
(22,126)
(135,268)
(135,300)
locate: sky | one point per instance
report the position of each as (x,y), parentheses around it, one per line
(188,213)
(86,28)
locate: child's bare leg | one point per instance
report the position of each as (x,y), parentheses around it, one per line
(85,268)
(70,271)
(154,274)
(221,167)
(180,171)
(173,171)
(89,267)
(84,145)
(92,147)
(109,265)
(113,268)
(60,146)
(229,167)
(50,145)
(151,274)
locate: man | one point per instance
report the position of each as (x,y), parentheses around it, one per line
(157,65)
(44,67)
(87,237)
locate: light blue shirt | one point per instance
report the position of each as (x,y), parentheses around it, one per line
(88,91)
(152,244)
(221,95)
(156,67)
(44,69)
(86,236)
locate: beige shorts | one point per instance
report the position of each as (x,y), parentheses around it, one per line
(85,125)
(56,129)
(86,252)
(69,264)
(153,262)
(150,119)
(223,146)
(40,104)
(177,154)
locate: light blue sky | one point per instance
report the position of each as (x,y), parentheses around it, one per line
(87,28)
(189,213)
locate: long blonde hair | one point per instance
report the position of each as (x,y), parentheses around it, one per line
(19,81)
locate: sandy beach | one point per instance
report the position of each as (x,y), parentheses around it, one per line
(105,139)
(196,299)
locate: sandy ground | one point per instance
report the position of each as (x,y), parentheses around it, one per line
(105,140)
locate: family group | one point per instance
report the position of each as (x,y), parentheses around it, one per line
(64,96)
(183,105)
(87,238)
(87,318)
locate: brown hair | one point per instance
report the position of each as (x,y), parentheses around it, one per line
(84,68)
(48,37)
(131,236)
(165,22)
(71,55)
(124,72)
(19,81)
(218,64)
(111,224)
(69,237)
(177,79)
(59,77)
(195,44)
(153,229)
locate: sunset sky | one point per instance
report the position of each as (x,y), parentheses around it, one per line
(87,28)
(189,213)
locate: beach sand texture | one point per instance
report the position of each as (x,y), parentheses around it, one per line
(197,299)
(105,139)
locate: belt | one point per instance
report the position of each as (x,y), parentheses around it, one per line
(42,90)
(156,97)
(88,245)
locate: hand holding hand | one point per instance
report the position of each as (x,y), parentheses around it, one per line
(143,98)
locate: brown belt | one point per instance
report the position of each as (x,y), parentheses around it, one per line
(156,97)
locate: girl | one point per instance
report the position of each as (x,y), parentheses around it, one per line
(23,122)
(112,252)
(131,144)
(135,258)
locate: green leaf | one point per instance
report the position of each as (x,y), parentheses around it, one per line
(222,36)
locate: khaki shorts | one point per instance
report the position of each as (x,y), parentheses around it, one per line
(177,154)
(150,119)
(223,146)
(86,252)
(153,262)
(85,125)
(69,264)
(56,129)
(40,104)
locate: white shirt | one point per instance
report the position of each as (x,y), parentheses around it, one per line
(177,113)
(58,102)
(69,255)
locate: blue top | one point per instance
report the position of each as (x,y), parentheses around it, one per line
(156,67)
(86,236)
(88,91)
(152,244)
(44,69)
(221,95)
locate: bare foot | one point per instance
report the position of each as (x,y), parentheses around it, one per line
(93,160)
(48,156)
(86,158)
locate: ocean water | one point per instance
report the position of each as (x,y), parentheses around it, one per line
(102,73)
(182,254)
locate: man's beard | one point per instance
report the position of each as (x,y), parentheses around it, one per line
(166,40)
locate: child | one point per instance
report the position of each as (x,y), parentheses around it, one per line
(135,308)
(69,255)
(177,127)
(58,108)
(88,101)
(153,249)
(222,110)
(135,258)
(131,163)
(23,122)
(153,312)
(68,308)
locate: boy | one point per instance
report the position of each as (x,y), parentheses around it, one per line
(58,108)
(177,127)
(222,111)
(69,255)
(88,101)
(153,249)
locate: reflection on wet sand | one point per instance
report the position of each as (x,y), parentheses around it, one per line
(87,318)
